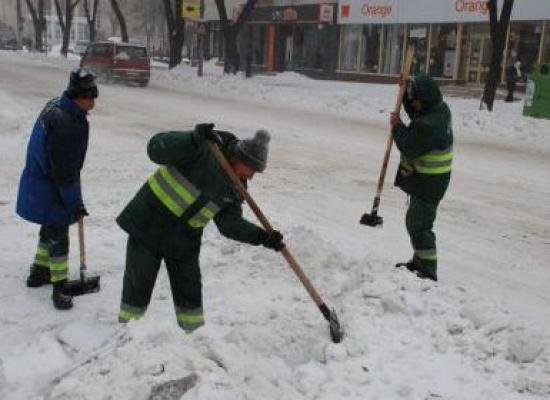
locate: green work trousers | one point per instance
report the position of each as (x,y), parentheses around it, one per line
(419,220)
(53,251)
(142,266)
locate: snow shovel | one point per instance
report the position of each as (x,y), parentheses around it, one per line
(373,219)
(336,332)
(85,284)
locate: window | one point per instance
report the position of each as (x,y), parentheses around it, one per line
(418,37)
(442,51)
(393,49)
(349,50)
(546,44)
(524,44)
(258,44)
(130,52)
(370,47)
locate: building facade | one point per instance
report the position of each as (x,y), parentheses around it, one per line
(451,37)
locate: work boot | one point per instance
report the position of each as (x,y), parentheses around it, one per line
(426,275)
(61,301)
(411,266)
(39,276)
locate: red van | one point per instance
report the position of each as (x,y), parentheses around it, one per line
(112,61)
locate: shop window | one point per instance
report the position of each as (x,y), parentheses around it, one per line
(307,47)
(524,44)
(258,44)
(392,52)
(546,44)
(442,51)
(370,47)
(350,37)
(418,37)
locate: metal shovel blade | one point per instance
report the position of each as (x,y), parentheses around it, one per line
(336,332)
(371,220)
(79,287)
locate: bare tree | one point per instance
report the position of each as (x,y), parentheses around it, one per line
(498,41)
(39,23)
(20,21)
(176,30)
(65,22)
(91,17)
(121,21)
(231,31)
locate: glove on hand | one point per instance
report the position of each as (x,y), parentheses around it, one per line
(274,241)
(206,132)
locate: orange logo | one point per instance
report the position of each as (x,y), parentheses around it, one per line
(479,6)
(369,10)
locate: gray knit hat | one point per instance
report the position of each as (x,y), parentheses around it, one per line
(253,152)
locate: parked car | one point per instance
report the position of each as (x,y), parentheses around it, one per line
(80,47)
(118,62)
(10,44)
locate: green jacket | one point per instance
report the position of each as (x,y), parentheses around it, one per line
(426,144)
(171,209)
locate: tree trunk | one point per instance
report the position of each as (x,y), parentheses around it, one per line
(499,29)
(91,17)
(232,58)
(230,33)
(39,23)
(20,22)
(121,21)
(175,31)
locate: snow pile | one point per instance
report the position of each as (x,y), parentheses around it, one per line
(405,338)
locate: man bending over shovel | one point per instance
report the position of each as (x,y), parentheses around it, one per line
(166,218)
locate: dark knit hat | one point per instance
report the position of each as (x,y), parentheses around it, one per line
(82,84)
(253,152)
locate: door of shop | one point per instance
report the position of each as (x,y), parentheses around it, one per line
(478,58)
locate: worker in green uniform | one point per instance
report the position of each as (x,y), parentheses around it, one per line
(166,218)
(425,168)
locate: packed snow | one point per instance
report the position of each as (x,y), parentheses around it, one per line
(482,332)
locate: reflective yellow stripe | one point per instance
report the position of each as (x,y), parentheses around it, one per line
(203,217)
(42,256)
(178,188)
(58,263)
(164,197)
(173,189)
(435,162)
(429,254)
(189,319)
(127,315)
(129,312)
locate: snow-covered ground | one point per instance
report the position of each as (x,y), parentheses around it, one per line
(482,332)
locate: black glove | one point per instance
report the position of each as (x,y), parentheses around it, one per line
(206,132)
(81,212)
(274,240)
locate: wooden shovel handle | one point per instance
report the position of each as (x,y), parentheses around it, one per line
(81,243)
(405,75)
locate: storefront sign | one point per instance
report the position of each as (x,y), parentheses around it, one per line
(419,33)
(479,6)
(434,11)
(191,9)
(373,10)
(306,13)
(326,13)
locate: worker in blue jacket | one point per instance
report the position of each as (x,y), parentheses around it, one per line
(49,190)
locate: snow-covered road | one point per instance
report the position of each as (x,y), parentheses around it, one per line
(406,339)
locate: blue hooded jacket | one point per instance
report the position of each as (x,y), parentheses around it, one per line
(49,190)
